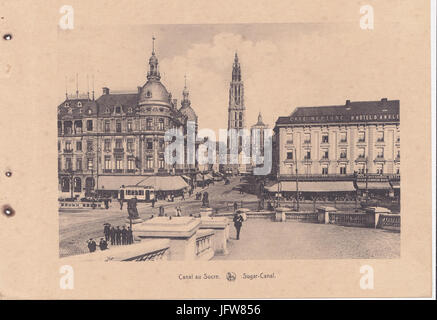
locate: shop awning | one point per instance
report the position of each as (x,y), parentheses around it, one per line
(186,178)
(395,184)
(313,186)
(374,185)
(115,182)
(164,183)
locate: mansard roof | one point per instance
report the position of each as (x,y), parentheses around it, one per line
(360,111)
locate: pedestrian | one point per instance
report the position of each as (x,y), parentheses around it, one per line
(183,195)
(235,206)
(103,245)
(238,222)
(112,235)
(121,204)
(130,236)
(92,245)
(178,212)
(118,236)
(153,202)
(123,236)
(161,211)
(106,201)
(107,230)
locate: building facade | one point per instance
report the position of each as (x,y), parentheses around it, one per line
(359,139)
(119,135)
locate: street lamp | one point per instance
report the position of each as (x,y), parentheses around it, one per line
(71,174)
(297,180)
(367,181)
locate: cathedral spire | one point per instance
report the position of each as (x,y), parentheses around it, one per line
(185,93)
(153,73)
(236,70)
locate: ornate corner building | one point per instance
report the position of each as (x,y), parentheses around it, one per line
(119,135)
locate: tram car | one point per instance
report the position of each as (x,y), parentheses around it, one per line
(142,193)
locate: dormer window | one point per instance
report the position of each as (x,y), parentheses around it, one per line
(89,111)
(107,110)
(79,104)
(67,105)
(70,110)
(130,110)
(148,94)
(80,111)
(118,109)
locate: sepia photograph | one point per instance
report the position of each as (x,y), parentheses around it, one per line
(195,149)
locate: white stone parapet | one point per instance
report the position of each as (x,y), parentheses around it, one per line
(181,231)
(220,226)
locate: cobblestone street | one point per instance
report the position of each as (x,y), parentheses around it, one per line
(264,239)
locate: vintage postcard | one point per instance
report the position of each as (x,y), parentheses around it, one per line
(232,149)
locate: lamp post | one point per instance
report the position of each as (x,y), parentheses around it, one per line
(277,193)
(297,180)
(367,181)
(71,173)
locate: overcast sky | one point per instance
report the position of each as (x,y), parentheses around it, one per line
(283,65)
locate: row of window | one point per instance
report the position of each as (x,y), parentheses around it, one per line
(343,154)
(108,143)
(76,127)
(132,163)
(343,170)
(343,137)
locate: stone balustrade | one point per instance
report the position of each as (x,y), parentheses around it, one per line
(204,244)
(150,250)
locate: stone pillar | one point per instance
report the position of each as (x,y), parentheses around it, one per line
(373,215)
(280,214)
(181,231)
(323,214)
(220,226)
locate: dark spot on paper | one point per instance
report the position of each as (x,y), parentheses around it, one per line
(8,211)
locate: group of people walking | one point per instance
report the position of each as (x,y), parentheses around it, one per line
(117,235)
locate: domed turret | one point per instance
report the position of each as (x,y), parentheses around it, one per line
(186,109)
(154,92)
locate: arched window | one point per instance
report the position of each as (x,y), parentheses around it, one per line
(89,183)
(77,184)
(65,184)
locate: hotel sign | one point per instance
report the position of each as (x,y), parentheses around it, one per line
(346,118)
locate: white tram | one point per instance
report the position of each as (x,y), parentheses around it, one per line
(142,193)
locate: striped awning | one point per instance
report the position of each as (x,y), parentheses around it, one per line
(383,185)
(313,186)
(164,183)
(115,182)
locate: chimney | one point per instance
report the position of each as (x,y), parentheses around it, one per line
(139,89)
(105,90)
(348,102)
(384,99)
